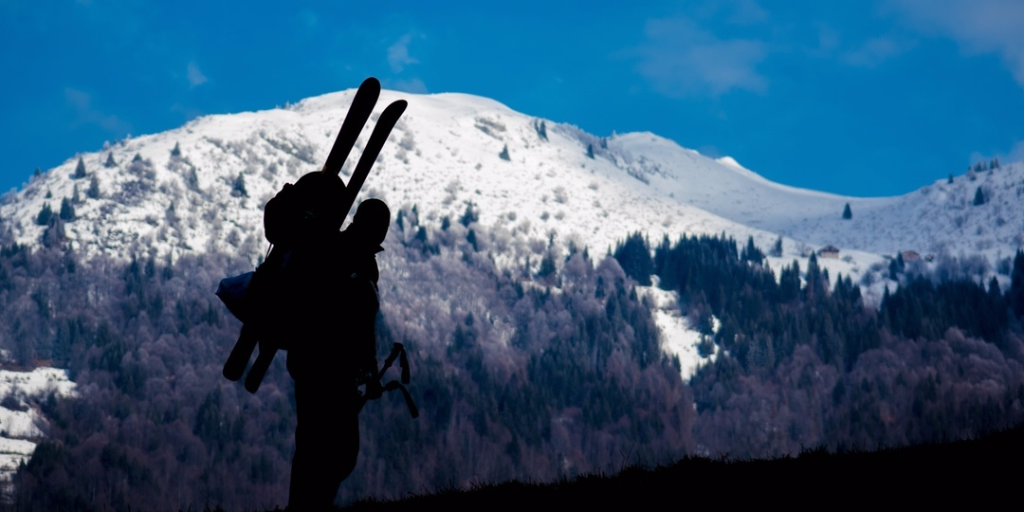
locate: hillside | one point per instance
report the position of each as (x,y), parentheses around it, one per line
(942,472)
(447,152)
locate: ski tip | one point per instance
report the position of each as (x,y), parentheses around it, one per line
(370,82)
(393,111)
(232,373)
(398,105)
(253,380)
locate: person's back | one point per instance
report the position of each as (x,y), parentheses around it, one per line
(300,222)
(334,351)
(339,286)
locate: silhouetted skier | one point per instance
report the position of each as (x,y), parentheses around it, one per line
(315,296)
(333,351)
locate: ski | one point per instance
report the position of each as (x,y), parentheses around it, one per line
(385,123)
(358,113)
(239,357)
(381,131)
(355,119)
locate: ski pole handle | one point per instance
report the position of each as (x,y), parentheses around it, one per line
(403,361)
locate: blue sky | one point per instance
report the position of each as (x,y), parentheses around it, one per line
(872,97)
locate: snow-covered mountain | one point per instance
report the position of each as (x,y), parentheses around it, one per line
(201,188)
(537,187)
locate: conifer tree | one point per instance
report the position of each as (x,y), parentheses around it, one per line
(815,285)
(110,161)
(789,282)
(979,197)
(1015,295)
(847,214)
(93,191)
(67,210)
(176,151)
(469,216)
(504,153)
(192,179)
(993,288)
(45,214)
(238,187)
(751,253)
(777,247)
(547,265)
(634,256)
(80,169)
(542,130)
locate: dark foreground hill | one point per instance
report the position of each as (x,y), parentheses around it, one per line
(975,471)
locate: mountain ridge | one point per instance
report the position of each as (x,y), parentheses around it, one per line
(533,178)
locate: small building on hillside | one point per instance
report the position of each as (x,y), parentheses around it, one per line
(829,251)
(911,256)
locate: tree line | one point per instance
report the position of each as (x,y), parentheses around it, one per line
(547,364)
(809,364)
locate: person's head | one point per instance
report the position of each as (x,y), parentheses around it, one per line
(320,193)
(372,220)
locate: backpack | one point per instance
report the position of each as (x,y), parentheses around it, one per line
(301,212)
(274,297)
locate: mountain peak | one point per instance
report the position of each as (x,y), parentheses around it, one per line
(201,187)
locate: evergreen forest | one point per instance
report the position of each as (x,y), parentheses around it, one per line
(535,362)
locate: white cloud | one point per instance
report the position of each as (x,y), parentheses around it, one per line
(980,26)
(828,39)
(413,85)
(681,59)
(308,19)
(398,53)
(195,76)
(733,12)
(1015,154)
(81,102)
(876,50)
(747,12)
(78,99)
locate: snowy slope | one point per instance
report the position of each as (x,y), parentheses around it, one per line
(21,425)
(937,217)
(443,154)
(530,178)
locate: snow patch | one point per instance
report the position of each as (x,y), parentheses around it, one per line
(678,337)
(22,424)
